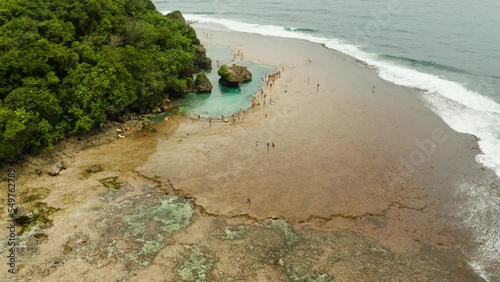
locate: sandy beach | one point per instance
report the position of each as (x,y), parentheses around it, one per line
(360,186)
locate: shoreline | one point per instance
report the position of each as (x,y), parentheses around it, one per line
(325,176)
(442,95)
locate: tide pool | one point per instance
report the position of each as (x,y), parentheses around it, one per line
(223,100)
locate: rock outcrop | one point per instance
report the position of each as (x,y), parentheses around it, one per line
(234,75)
(202,83)
(201,60)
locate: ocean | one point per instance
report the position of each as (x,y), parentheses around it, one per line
(449,49)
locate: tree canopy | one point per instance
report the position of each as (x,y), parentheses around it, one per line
(68,65)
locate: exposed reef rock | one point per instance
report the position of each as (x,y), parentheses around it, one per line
(234,75)
(202,83)
(201,60)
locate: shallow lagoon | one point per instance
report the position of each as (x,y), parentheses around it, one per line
(222,100)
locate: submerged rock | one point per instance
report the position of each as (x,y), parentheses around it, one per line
(234,75)
(202,83)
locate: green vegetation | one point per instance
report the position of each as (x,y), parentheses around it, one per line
(202,83)
(223,71)
(201,78)
(68,65)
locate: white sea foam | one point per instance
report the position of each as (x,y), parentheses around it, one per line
(462,109)
(479,211)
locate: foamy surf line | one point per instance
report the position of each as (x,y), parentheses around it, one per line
(479,211)
(463,110)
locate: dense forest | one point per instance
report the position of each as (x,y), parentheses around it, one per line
(68,65)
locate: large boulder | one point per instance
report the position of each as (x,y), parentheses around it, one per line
(202,83)
(201,60)
(234,75)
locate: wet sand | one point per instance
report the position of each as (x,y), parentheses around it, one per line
(332,200)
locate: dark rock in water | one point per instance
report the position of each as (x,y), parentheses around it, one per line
(94,168)
(234,75)
(24,215)
(201,60)
(56,169)
(202,83)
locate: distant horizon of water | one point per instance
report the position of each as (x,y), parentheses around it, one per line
(449,49)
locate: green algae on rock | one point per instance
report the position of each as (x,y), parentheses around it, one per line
(34,194)
(233,233)
(40,215)
(133,230)
(172,213)
(296,273)
(290,236)
(111,183)
(197,266)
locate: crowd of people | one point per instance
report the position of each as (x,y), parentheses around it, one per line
(259,98)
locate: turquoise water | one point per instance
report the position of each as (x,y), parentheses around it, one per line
(223,100)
